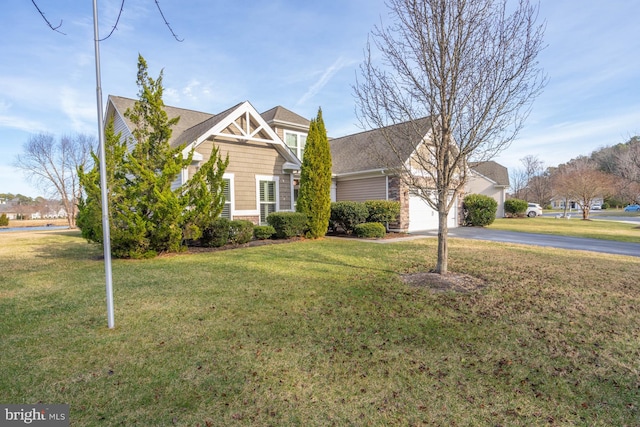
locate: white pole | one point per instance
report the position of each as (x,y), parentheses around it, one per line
(106,235)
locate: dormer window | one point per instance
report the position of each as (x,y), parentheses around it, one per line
(296,142)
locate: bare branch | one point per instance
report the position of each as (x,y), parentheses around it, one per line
(47,21)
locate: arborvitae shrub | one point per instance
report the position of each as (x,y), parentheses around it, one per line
(348,214)
(370,229)
(515,207)
(4,220)
(479,210)
(288,224)
(263,232)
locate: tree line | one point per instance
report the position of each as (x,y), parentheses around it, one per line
(611,173)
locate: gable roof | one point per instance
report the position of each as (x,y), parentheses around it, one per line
(369,150)
(281,116)
(188,118)
(194,126)
(493,171)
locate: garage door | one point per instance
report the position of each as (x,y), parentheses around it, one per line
(423,217)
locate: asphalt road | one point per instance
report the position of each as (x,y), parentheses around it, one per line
(563,242)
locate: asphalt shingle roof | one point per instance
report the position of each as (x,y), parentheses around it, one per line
(370,150)
(492,170)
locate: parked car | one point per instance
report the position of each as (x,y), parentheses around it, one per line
(632,208)
(596,207)
(534,210)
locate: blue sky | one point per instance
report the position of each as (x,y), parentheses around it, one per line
(300,55)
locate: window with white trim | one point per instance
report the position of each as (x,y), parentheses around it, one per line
(267,196)
(296,142)
(226,210)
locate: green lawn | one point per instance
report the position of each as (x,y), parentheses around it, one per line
(321,333)
(576,227)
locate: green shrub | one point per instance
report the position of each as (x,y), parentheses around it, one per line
(605,205)
(383,211)
(4,220)
(370,229)
(348,214)
(216,234)
(479,210)
(515,207)
(263,232)
(240,231)
(288,224)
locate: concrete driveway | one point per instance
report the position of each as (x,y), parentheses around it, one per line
(563,242)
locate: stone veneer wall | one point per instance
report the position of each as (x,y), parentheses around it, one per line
(399,192)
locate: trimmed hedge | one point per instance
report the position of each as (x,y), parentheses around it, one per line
(288,224)
(370,229)
(383,211)
(217,234)
(263,232)
(479,210)
(240,231)
(348,214)
(515,207)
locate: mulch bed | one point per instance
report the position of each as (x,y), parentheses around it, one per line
(450,282)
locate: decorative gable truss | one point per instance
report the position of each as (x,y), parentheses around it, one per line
(242,124)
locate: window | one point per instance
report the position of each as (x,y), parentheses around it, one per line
(267,199)
(226,210)
(296,141)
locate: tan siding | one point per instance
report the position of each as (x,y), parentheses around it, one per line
(360,190)
(246,160)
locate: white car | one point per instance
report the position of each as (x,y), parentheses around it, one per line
(596,207)
(534,210)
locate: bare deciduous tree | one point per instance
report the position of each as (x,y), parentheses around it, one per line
(518,183)
(470,66)
(53,166)
(581,181)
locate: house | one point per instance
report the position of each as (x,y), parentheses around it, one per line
(261,170)
(366,167)
(490,179)
(264,161)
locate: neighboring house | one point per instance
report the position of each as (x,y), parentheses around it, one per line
(366,167)
(260,174)
(9,211)
(490,179)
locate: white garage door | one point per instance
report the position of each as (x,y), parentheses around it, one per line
(423,217)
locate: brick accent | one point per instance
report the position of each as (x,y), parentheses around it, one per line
(399,192)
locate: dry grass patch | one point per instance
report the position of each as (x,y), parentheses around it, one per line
(322,333)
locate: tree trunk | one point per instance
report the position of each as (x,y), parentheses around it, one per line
(443,247)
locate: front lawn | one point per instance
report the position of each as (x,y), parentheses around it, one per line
(321,333)
(575,227)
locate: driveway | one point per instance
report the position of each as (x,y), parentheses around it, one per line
(562,242)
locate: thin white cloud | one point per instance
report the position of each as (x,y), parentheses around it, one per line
(324,79)
(79,110)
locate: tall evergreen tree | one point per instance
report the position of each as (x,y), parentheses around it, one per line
(204,196)
(314,197)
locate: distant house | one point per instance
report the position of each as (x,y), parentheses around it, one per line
(9,211)
(490,179)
